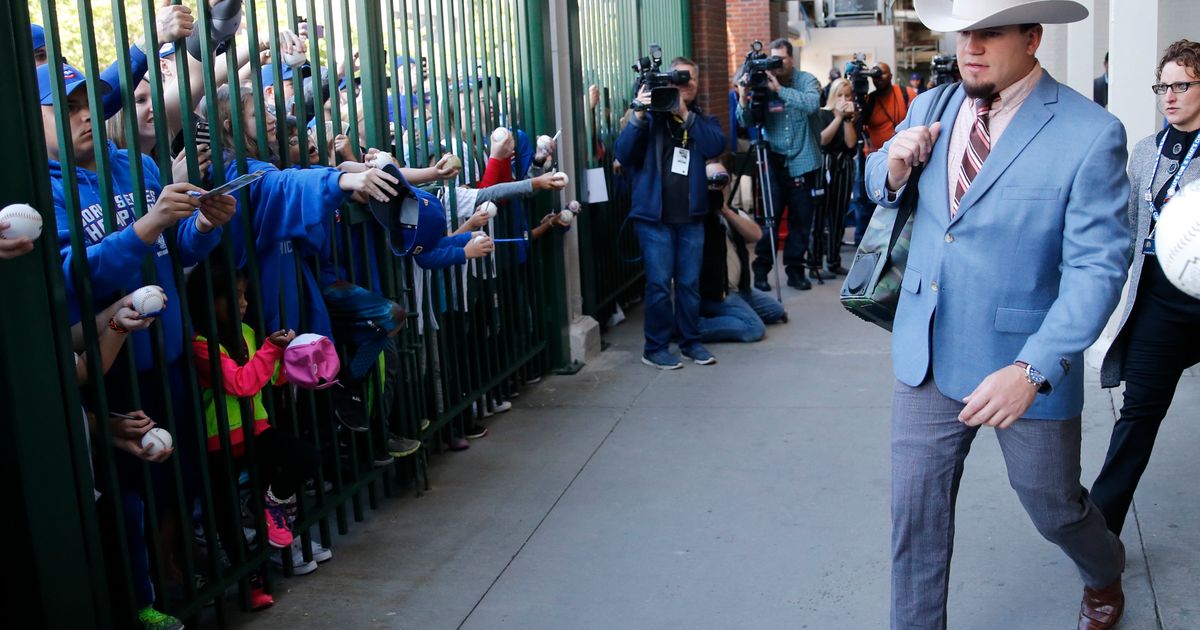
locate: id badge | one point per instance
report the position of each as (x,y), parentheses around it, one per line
(681,161)
(1148,247)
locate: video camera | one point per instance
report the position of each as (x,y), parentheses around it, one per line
(754,75)
(857,74)
(664,96)
(944,69)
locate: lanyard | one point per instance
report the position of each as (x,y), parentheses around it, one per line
(1187,161)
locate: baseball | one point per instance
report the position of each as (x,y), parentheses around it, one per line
(500,135)
(453,162)
(1177,240)
(566,216)
(22,220)
(149,301)
(383,158)
(294,59)
(562,177)
(482,238)
(490,208)
(156,440)
(543,142)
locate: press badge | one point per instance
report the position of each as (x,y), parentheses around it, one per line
(681,160)
(1148,247)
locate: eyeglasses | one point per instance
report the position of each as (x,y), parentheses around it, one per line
(1178,88)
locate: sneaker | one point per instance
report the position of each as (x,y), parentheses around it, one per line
(501,407)
(475,431)
(533,381)
(662,360)
(320,553)
(699,354)
(299,566)
(153,620)
(458,444)
(310,487)
(260,599)
(278,533)
(424,424)
(402,447)
(760,283)
(382,459)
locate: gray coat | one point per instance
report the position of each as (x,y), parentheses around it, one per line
(1141,164)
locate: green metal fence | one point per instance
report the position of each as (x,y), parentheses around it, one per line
(432,77)
(609,36)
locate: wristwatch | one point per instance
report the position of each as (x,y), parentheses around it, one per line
(1033,377)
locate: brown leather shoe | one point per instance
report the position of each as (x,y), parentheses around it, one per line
(1101,608)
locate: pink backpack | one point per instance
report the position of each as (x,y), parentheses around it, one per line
(310,361)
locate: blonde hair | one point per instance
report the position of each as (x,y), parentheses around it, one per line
(834,88)
(225,115)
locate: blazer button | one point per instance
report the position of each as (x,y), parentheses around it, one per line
(933,286)
(949,238)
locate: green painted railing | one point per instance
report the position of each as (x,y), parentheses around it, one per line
(433,76)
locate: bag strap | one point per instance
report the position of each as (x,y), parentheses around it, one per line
(908,202)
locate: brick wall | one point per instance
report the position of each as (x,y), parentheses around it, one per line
(709,50)
(747,20)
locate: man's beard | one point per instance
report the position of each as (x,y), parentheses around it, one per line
(979,90)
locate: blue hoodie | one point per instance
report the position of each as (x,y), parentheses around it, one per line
(289,212)
(115,260)
(639,148)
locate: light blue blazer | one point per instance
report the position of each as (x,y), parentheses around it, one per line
(1034,261)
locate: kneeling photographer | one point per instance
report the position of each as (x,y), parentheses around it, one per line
(781,109)
(663,150)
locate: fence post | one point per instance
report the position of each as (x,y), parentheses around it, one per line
(36,401)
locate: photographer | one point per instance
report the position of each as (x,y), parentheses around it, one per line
(664,154)
(795,158)
(885,108)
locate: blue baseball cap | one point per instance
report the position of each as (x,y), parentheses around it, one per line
(415,218)
(166,50)
(39,36)
(72,78)
(268,73)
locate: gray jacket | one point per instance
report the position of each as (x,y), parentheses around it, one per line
(1141,164)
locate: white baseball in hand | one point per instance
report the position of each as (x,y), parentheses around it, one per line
(543,142)
(22,220)
(482,238)
(1177,240)
(566,216)
(149,300)
(490,208)
(156,440)
(500,135)
(562,177)
(294,59)
(382,159)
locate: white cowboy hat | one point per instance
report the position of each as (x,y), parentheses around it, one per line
(949,16)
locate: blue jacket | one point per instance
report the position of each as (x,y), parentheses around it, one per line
(138,64)
(1033,262)
(449,251)
(289,214)
(115,260)
(639,149)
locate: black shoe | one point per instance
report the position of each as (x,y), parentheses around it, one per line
(837,270)
(817,274)
(760,283)
(799,282)
(474,431)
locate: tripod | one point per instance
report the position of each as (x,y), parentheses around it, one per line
(758,146)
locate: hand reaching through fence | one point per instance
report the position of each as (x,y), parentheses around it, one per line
(13,247)
(374,182)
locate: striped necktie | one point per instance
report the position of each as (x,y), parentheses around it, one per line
(978,148)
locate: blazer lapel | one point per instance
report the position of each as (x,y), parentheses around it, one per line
(1029,120)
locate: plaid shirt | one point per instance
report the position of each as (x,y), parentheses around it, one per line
(789,132)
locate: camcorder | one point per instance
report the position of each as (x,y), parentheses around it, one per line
(944,69)
(857,73)
(754,76)
(664,96)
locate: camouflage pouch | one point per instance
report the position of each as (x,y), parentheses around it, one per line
(872,287)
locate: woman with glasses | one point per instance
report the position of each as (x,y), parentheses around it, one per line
(1159,336)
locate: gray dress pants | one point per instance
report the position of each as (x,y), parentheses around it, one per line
(929,446)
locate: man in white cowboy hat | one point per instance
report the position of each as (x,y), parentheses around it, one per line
(1017,258)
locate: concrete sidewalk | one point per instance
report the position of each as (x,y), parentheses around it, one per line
(749,494)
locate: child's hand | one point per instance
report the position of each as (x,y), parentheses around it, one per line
(478,220)
(13,247)
(504,150)
(446,170)
(479,247)
(173,205)
(179,168)
(215,212)
(130,319)
(548,181)
(374,182)
(282,338)
(132,427)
